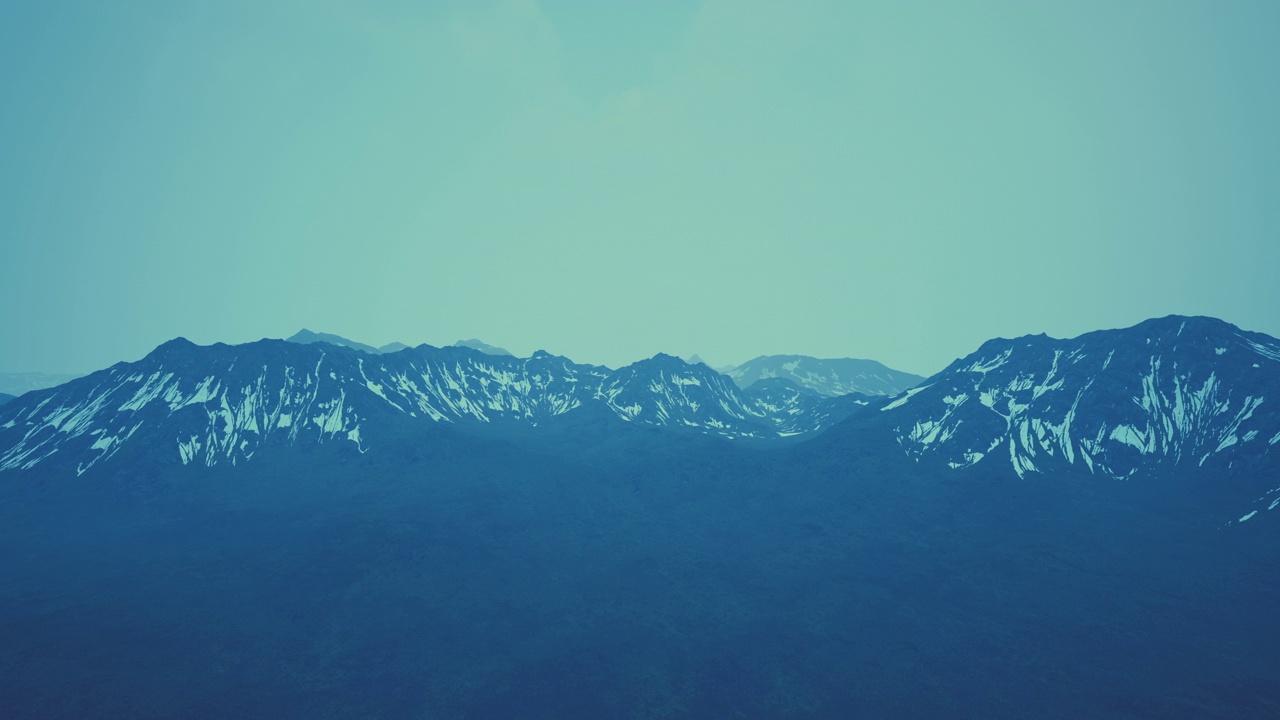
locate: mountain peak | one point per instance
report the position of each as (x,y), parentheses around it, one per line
(175,346)
(176,343)
(1179,325)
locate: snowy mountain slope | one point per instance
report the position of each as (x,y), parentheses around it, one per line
(795,410)
(1176,391)
(666,390)
(825,377)
(221,404)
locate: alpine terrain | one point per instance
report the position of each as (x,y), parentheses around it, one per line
(1048,528)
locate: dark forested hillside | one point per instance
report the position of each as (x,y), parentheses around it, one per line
(639,573)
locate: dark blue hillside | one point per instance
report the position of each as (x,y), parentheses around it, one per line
(458,575)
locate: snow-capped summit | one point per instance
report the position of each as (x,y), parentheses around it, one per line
(1189,391)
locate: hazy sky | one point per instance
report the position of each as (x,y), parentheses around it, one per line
(892,180)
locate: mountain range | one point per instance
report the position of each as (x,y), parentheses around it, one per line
(221,403)
(1176,391)
(1058,528)
(829,377)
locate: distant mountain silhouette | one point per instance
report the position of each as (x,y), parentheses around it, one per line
(19,383)
(306,337)
(831,377)
(483,347)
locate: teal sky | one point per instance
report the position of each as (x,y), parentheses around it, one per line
(891,180)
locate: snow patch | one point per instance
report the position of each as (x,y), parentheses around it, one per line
(354,436)
(187,450)
(1266,351)
(986,366)
(1129,435)
(903,400)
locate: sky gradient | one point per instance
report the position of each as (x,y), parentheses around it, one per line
(896,181)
